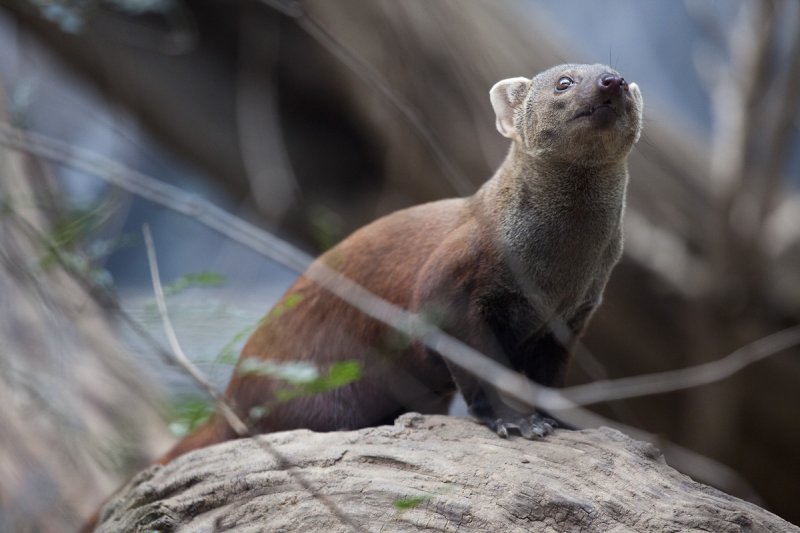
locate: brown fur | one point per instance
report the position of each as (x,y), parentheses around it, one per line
(533,247)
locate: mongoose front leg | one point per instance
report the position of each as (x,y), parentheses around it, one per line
(543,360)
(488,408)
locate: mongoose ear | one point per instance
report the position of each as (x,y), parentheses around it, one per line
(506,96)
(637,96)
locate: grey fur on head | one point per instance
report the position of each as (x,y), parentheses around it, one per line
(542,119)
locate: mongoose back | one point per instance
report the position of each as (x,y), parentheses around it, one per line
(534,246)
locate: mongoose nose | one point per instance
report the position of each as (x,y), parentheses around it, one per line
(612,84)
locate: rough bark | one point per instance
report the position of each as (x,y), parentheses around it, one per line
(432,473)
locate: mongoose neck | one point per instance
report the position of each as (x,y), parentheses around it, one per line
(520,166)
(558,185)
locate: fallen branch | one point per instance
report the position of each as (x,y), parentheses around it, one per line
(432,473)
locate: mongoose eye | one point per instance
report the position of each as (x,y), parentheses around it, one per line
(564,83)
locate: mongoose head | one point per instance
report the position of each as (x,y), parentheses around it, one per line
(570,114)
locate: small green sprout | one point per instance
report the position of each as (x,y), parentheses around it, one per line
(405,504)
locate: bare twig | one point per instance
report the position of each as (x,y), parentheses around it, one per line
(161,193)
(230,416)
(684,378)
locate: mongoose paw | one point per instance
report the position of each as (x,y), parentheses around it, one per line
(530,427)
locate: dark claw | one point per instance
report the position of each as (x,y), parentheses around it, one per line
(528,431)
(501,428)
(530,427)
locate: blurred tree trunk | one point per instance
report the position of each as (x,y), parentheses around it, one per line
(75,413)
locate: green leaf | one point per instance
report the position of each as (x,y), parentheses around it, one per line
(303,376)
(404,504)
(339,375)
(67,233)
(294,372)
(327,226)
(228,355)
(76,225)
(289,302)
(343,373)
(197,279)
(188,412)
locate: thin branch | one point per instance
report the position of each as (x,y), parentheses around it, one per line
(169,196)
(685,378)
(233,420)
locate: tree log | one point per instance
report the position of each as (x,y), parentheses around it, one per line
(432,473)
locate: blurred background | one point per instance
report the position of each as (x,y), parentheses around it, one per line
(311,119)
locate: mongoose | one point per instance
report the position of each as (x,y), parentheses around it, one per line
(534,246)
